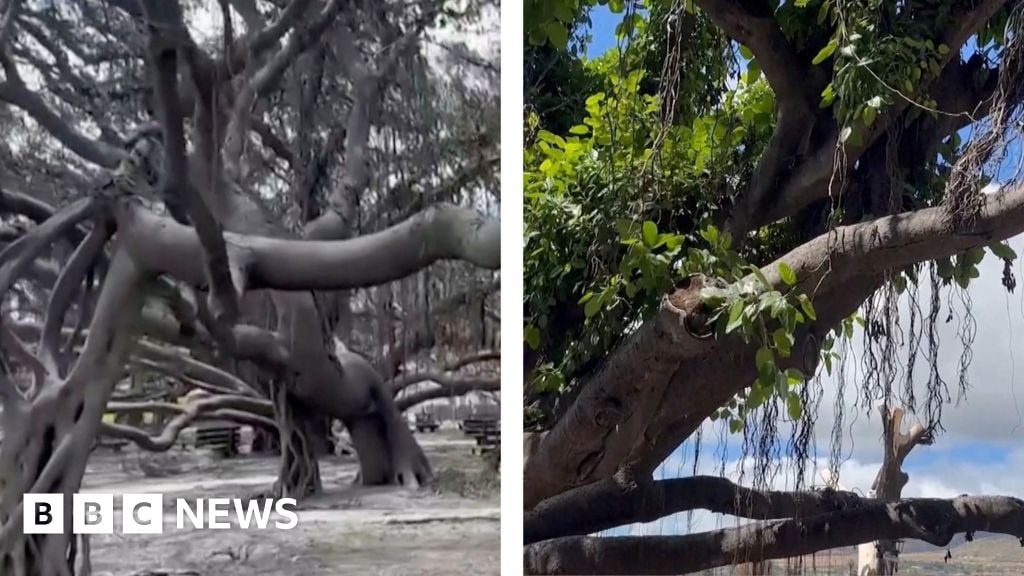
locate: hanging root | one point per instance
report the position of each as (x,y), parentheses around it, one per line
(963,199)
(298,474)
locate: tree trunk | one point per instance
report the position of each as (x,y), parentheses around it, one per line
(881,557)
(299,472)
(51,425)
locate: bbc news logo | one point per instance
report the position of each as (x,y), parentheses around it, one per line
(144,514)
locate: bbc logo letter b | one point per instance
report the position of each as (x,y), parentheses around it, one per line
(93,514)
(43,514)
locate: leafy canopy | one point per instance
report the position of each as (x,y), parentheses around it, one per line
(634,158)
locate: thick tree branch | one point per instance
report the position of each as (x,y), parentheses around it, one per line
(448,386)
(812,179)
(796,85)
(935,521)
(619,500)
(435,234)
(405,380)
(752,23)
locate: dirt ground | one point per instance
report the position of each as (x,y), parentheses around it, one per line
(451,528)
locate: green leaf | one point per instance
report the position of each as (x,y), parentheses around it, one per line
(735,425)
(650,234)
(551,138)
(532,336)
(787,274)
(869,115)
(944,268)
(745,52)
(1002,250)
(710,234)
(975,255)
(807,307)
(580,129)
(755,398)
(558,34)
(825,52)
(764,358)
(595,99)
(794,406)
(537,37)
(781,384)
(592,307)
(794,377)
(783,342)
(735,317)
(753,71)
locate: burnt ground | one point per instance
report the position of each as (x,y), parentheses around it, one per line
(452,527)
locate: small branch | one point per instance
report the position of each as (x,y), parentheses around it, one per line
(267,77)
(421,335)
(7,21)
(239,409)
(253,44)
(14,92)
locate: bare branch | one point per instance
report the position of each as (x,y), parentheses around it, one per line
(935,521)
(421,335)
(20,254)
(405,380)
(448,386)
(621,499)
(14,92)
(369,83)
(264,79)
(444,232)
(69,281)
(240,409)
(181,366)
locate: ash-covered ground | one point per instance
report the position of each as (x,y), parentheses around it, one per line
(449,528)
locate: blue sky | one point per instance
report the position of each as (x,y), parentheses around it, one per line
(981,450)
(603,22)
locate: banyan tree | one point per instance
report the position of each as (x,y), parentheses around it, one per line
(290,206)
(720,210)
